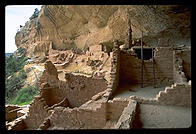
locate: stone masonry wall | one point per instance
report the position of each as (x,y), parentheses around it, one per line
(91,115)
(182,64)
(164,65)
(37,113)
(114,72)
(114,108)
(79,89)
(177,94)
(180,92)
(186,58)
(11,112)
(126,119)
(130,68)
(78,118)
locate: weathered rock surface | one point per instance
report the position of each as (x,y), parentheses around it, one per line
(64,27)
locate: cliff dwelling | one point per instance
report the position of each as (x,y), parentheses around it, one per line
(113,73)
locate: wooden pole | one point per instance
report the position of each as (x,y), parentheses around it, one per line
(142,60)
(153,67)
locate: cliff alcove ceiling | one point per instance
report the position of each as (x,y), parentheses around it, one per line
(73,26)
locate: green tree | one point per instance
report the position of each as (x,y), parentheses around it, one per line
(25,95)
(15,80)
(35,14)
(15,74)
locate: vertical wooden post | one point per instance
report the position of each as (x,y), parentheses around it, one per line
(153,67)
(142,61)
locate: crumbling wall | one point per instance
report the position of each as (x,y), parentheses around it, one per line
(96,53)
(78,118)
(186,58)
(114,72)
(79,89)
(91,115)
(176,94)
(11,112)
(48,93)
(179,75)
(37,113)
(182,64)
(180,92)
(17,124)
(114,108)
(59,57)
(49,75)
(164,65)
(130,68)
(48,83)
(126,119)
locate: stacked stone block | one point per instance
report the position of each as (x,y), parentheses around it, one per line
(114,108)
(11,112)
(179,75)
(144,100)
(37,113)
(130,68)
(78,118)
(177,95)
(90,115)
(114,72)
(126,119)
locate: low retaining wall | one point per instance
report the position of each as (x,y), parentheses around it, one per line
(91,115)
(37,113)
(11,112)
(127,117)
(176,94)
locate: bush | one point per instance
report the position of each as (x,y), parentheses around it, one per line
(15,80)
(15,63)
(25,95)
(15,74)
(14,83)
(35,14)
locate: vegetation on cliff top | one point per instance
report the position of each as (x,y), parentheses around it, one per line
(15,80)
(35,14)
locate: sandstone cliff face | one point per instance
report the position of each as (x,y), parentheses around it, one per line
(63,26)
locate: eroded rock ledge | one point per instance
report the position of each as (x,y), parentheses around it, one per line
(64,27)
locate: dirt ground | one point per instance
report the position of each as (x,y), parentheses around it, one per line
(159,116)
(156,116)
(147,92)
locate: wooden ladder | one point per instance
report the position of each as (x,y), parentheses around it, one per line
(142,65)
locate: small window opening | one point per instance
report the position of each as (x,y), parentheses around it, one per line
(147,53)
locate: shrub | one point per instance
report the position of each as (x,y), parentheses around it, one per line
(15,63)
(14,83)
(25,95)
(15,74)
(35,14)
